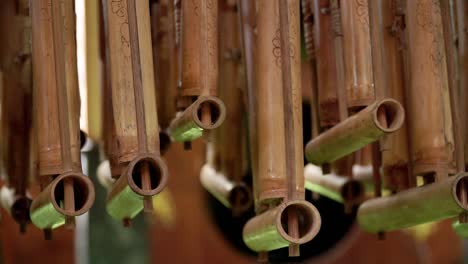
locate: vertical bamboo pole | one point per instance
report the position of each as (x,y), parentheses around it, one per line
(326,64)
(431,123)
(357,51)
(134,109)
(57,107)
(462,30)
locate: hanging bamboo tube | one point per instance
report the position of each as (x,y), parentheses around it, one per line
(66,192)
(144,173)
(385,17)
(223,176)
(431,125)
(359,81)
(338,188)
(326,64)
(280,180)
(431,202)
(165,60)
(462,34)
(357,131)
(199,71)
(15,61)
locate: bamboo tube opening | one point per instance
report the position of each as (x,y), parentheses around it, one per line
(20,210)
(308,222)
(83,194)
(215,109)
(460,194)
(157,175)
(389,115)
(353,191)
(241,198)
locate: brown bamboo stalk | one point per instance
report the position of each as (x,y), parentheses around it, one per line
(431,124)
(134,108)
(357,51)
(16,127)
(57,106)
(389,74)
(199,71)
(165,60)
(326,64)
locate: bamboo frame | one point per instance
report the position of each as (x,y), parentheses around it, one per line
(380,118)
(57,107)
(144,174)
(431,202)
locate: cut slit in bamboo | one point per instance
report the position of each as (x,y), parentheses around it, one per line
(56,101)
(367,126)
(143,172)
(199,72)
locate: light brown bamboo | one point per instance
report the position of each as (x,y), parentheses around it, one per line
(326,65)
(359,81)
(462,30)
(272,177)
(163,35)
(395,147)
(431,125)
(134,106)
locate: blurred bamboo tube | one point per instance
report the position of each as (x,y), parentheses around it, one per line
(57,105)
(326,64)
(462,34)
(359,81)
(16,112)
(431,202)
(356,132)
(431,124)
(134,109)
(248,21)
(231,194)
(338,188)
(199,70)
(461,229)
(266,231)
(17,206)
(394,147)
(163,34)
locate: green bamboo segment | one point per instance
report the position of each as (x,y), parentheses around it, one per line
(431,202)
(369,125)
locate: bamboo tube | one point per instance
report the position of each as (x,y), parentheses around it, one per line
(47,210)
(338,188)
(326,65)
(163,34)
(17,206)
(144,174)
(247,18)
(461,229)
(395,146)
(223,174)
(462,30)
(231,194)
(57,107)
(16,112)
(356,132)
(357,51)
(199,71)
(431,119)
(266,231)
(431,202)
